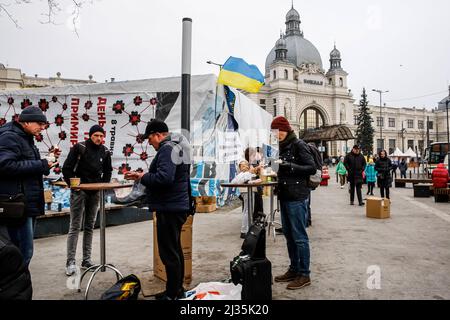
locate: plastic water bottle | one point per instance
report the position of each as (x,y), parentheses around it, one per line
(108,200)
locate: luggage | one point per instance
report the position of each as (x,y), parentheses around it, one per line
(255,275)
(251,268)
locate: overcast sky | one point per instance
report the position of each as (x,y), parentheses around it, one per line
(400,46)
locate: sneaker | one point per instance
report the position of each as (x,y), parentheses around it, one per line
(86,264)
(342,187)
(71,268)
(361,204)
(299,282)
(351,203)
(288,276)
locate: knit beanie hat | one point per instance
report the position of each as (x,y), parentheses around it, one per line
(96,128)
(281,123)
(32,114)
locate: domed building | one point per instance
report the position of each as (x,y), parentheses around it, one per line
(297,87)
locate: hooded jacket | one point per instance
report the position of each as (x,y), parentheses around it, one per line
(440,176)
(167,180)
(21,168)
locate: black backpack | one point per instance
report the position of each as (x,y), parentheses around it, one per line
(15,279)
(127,288)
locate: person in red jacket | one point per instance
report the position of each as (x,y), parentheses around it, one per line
(440,176)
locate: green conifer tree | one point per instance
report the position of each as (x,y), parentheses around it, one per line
(365,130)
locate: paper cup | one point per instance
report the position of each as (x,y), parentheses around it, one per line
(74,182)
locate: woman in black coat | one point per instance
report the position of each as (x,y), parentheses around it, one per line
(383,166)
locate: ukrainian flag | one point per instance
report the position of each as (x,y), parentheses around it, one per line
(238,74)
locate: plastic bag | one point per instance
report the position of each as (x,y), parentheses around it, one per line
(215,291)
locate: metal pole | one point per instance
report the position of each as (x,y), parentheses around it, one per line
(381,124)
(186,78)
(448,132)
(102,230)
(403,139)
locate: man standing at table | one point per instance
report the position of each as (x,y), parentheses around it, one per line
(297,164)
(167,185)
(91,162)
(21,171)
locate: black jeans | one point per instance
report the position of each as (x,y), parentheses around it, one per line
(258,203)
(370,186)
(168,229)
(356,186)
(382,189)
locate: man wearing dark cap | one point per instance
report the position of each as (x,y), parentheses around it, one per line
(21,171)
(355,164)
(91,162)
(296,164)
(167,183)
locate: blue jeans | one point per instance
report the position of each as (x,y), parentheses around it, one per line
(294,218)
(22,237)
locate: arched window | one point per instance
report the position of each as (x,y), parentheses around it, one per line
(330,81)
(341,82)
(285,74)
(274,74)
(311,118)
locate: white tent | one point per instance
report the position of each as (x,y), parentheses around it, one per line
(124,108)
(397,153)
(410,153)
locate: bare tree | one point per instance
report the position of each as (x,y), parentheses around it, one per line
(53,8)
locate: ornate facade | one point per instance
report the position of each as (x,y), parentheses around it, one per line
(299,88)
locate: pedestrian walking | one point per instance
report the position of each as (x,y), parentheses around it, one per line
(342,172)
(403,167)
(383,166)
(371,176)
(355,164)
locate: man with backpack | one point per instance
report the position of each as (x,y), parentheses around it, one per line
(91,162)
(295,167)
(168,190)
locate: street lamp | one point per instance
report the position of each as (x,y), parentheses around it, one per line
(381,117)
(403,137)
(217,64)
(448,133)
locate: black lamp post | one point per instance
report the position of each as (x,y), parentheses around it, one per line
(381,117)
(448,132)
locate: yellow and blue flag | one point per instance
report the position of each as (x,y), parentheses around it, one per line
(239,74)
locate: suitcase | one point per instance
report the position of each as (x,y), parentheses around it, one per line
(251,268)
(255,275)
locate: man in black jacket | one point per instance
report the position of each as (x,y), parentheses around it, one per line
(21,171)
(296,166)
(91,162)
(355,164)
(167,183)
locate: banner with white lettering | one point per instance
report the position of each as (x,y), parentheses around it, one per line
(123,109)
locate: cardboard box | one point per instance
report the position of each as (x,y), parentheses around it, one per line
(48,196)
(378,208)
(159,270)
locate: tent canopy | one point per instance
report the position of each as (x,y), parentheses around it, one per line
(397,153)
(410,153)
(328,133)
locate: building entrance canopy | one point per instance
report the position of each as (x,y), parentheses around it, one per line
(328,133)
